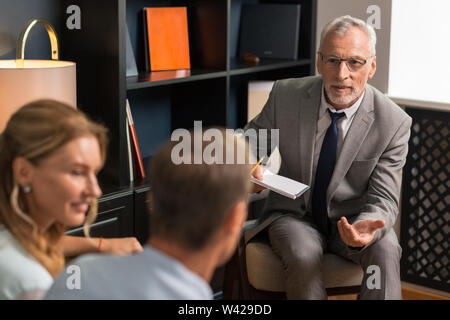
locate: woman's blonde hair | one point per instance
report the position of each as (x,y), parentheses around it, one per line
(34,132)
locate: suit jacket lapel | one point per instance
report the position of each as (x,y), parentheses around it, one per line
(307,115)
(353,141)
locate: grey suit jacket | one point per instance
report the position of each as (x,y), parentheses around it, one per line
(367,177)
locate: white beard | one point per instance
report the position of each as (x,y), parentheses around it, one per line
(342,99)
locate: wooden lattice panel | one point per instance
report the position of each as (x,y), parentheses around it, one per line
(426,201)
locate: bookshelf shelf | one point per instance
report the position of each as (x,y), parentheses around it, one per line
(163,78)
(238,67)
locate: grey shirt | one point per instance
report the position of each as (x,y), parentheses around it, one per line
(150,274)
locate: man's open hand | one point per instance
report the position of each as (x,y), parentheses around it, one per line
(360,233)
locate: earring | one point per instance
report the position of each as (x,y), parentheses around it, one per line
(26,188)
(14,202)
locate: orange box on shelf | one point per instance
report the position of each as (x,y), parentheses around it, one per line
(168,40)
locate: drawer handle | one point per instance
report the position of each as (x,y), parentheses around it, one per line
(94,225)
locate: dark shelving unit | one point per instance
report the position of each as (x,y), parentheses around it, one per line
(214,91)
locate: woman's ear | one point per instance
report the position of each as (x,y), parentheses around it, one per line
(23,170)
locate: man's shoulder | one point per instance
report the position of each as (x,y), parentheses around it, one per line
(85,272)
(299,84)
(91,259)
(94,264)
(387,108)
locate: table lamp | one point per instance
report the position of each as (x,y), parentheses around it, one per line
(23,81)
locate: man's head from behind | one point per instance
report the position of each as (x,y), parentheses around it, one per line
(199,205)
(346,59)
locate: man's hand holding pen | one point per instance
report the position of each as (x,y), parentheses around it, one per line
(257,172)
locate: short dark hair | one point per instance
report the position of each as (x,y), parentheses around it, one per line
(191,201)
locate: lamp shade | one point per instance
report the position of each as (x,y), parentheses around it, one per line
(38,79)
(23,81)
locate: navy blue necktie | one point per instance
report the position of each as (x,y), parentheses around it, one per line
(324,171)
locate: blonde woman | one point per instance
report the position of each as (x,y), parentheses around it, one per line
(50,156)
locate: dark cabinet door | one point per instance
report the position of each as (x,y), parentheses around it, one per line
(142,205)
(115,217)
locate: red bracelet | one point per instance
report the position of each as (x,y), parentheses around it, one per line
(99,249)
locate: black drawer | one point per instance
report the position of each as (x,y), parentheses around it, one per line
(142,205)
(114,219)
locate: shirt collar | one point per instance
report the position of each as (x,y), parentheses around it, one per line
(349,112)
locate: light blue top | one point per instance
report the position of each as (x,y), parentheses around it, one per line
(150,274)
(21,275)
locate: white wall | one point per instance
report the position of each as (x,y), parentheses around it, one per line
(329,9)
(420,50)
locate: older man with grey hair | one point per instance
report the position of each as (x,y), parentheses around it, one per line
(349,142)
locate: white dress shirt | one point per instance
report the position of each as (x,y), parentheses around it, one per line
(324,122)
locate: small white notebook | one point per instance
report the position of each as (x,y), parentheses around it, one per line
(282,185)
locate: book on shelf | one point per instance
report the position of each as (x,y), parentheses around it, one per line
(270,30)
(168,75)
(131,61)
(139,164)
(258,94)
(145,40)
(130,154)
(167,40)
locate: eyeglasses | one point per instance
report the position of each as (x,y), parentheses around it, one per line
(353,63)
